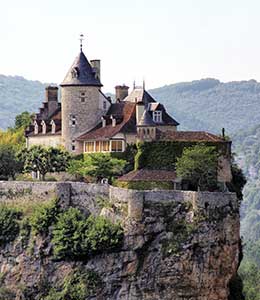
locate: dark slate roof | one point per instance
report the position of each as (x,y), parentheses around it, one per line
(56,117)
(189,136)
(149,175)
(85,73)
(124,113)
(146,120)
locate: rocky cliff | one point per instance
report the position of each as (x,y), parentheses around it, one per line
(177,245)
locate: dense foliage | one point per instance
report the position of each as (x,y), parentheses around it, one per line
(98,165)
(9,163)
(44,160)
(9,225)
(44,216)
(199,165)
(77,236)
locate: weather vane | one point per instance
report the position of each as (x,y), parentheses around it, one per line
(81,41)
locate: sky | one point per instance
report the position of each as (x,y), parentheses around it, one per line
(159,41)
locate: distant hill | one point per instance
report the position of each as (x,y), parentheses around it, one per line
(206,104)
(17,95)
(210,104)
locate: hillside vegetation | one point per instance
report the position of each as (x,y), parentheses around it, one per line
(17,95)
(206,104)
(209,104)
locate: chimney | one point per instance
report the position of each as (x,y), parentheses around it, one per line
(121,92)
(95,63)
(51,93)
(51,98)
(139,110)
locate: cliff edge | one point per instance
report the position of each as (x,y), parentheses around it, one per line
(177,244)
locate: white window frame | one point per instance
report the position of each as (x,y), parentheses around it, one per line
(101,146)
(157,116)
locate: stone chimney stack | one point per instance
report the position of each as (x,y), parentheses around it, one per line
(51,98)
(121,92)
(96,65)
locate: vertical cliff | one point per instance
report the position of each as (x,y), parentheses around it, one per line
(177,245)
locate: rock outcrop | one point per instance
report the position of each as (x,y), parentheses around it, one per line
(177,245)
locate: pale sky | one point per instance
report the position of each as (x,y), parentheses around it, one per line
(163,41)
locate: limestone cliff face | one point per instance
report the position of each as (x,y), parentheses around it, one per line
(177,245)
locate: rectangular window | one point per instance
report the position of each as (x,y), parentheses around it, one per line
(117,146)
(157,116)
(105,146)
(89,147)
(98,146)
(104,105)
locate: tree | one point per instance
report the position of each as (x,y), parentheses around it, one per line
(44,160)
(23,120)
(98,165)
(9,164)
(199,164)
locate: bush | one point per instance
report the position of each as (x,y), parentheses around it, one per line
(76,286)
(75,236)
(44,216)
(9,226)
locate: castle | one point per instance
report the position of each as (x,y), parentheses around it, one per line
(88,121)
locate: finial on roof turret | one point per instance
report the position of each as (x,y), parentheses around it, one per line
(81,38)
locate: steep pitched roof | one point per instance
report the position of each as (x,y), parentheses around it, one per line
(148,175)
(139,95)
(83,73)
(146,120)
(124,112)
(188,136)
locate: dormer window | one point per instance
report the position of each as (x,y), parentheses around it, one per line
(75,72)
(36,128)
(53,127)
(157,116)
(43,127)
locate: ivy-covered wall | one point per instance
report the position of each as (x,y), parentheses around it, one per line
(163,154)
(145,185)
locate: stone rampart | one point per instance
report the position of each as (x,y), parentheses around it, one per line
(87,196)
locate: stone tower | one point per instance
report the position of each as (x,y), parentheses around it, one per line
(82,101)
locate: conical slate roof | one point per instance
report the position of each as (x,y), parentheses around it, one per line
(81,73)
(146,120)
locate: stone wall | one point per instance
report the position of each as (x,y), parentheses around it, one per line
(178,245)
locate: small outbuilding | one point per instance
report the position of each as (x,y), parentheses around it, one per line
(146,179)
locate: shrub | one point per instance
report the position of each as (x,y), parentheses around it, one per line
(67,234)
(75,236)
(97,165)
(76,286)
(9,226)
(44,216)
(102,234)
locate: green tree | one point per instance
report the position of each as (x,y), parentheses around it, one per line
(23,120)
(98,165)
(9,164)
(44,160)
(199,164)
